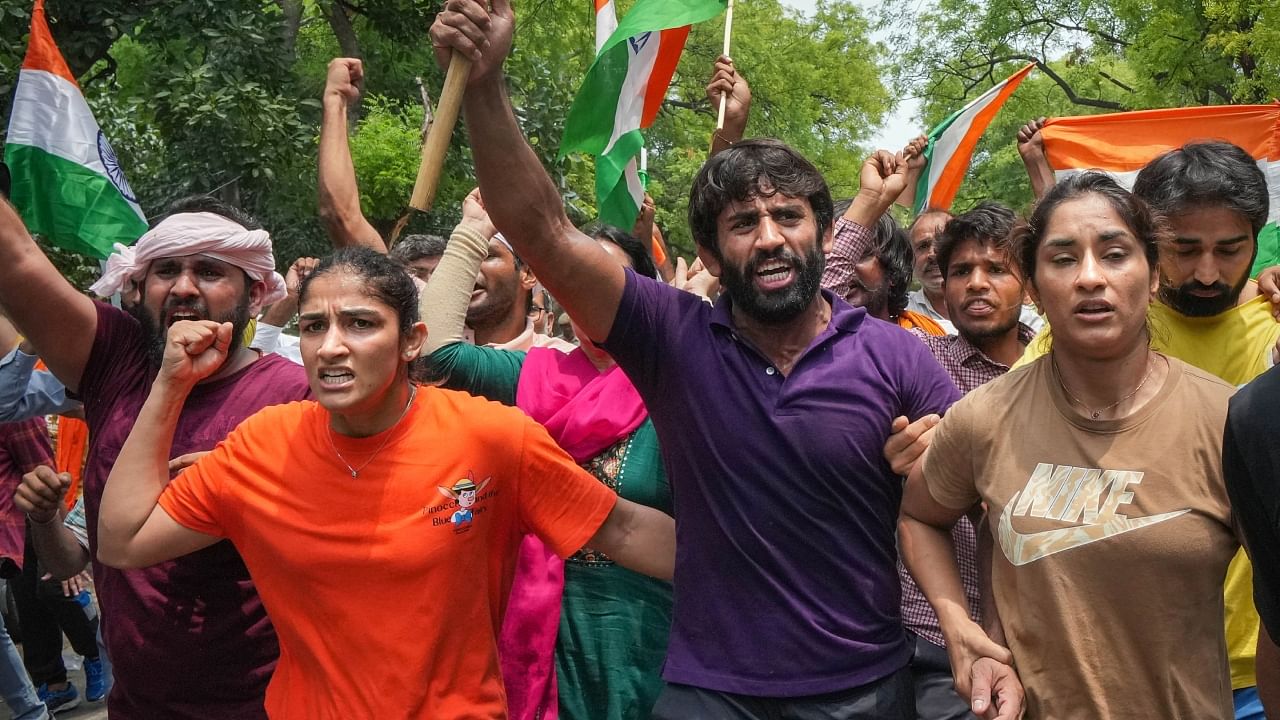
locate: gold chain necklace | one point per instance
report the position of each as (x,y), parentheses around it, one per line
(1095,414)
(355,472)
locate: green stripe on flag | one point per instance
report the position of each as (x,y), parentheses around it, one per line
(614,203)
(68,204)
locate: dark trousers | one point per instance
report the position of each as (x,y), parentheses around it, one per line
(888,698)
(45,614)
(935,689)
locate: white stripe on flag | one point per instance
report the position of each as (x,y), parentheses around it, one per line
(946,144)
(631,176)
(50,113)
(606,23)
(642,51)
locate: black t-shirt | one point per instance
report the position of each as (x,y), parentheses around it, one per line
(1251,467)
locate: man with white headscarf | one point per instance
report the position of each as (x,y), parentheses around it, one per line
(189,639)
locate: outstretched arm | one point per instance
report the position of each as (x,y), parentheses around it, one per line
(59,321)
(133,530)
(521,198)
(638,538)
(339,195)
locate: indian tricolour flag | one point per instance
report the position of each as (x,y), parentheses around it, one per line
(67,183)
(622,93)
(1123,143)
(951,144)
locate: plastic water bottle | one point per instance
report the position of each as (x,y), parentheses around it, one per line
(86,601)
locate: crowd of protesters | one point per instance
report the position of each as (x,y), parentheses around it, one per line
(776,482)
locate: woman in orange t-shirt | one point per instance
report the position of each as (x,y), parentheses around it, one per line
(380,521)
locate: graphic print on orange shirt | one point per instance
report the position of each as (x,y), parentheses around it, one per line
(463,495)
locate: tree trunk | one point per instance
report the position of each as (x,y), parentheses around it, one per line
(348,43)
(292,23)
(340,23)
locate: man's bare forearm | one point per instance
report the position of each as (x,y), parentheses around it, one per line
(139,476)
(58,549)
(525,206)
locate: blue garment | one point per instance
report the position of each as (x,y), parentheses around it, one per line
(15,685)
(1248,704)
(26,392)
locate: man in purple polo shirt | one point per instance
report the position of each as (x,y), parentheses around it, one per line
(771,408)
(189,639)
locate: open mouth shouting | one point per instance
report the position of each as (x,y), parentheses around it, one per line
(1094,310)
(774,274)
(173,315)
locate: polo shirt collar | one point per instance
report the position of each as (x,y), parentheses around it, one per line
(845,318)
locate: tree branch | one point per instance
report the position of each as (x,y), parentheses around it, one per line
(1101,34)
(1071,93)
(1115,81)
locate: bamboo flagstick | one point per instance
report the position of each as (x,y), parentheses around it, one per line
(728,32)
(437,144)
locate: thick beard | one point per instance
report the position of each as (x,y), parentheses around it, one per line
(154,337)
(784,305)
(1181,299)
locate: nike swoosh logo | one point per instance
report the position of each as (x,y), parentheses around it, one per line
(1023,548)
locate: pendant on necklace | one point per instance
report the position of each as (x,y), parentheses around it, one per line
(1095,417)
(354,473)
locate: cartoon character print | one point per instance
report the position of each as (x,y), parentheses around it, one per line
(464,492)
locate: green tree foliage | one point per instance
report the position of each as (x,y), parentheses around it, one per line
(221,97)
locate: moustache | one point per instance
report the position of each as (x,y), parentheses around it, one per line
(1192,286)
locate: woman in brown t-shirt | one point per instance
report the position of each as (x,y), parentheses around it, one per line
(1099,465)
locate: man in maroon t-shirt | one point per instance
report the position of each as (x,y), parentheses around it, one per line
(187,638)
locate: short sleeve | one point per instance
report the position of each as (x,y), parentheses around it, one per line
(948,464)
(194,498)
(645,337)
(117,343)
(928,389)
(560,502)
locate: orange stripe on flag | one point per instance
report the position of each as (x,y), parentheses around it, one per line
(953,173)
(42,53)
(600,4)
(664,66)
(1123,142)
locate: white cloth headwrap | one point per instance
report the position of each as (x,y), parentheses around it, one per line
(199,233)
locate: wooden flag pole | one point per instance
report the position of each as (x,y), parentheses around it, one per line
(437,144)
(728,32)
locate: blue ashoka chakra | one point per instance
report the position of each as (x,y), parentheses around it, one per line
(112,164)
